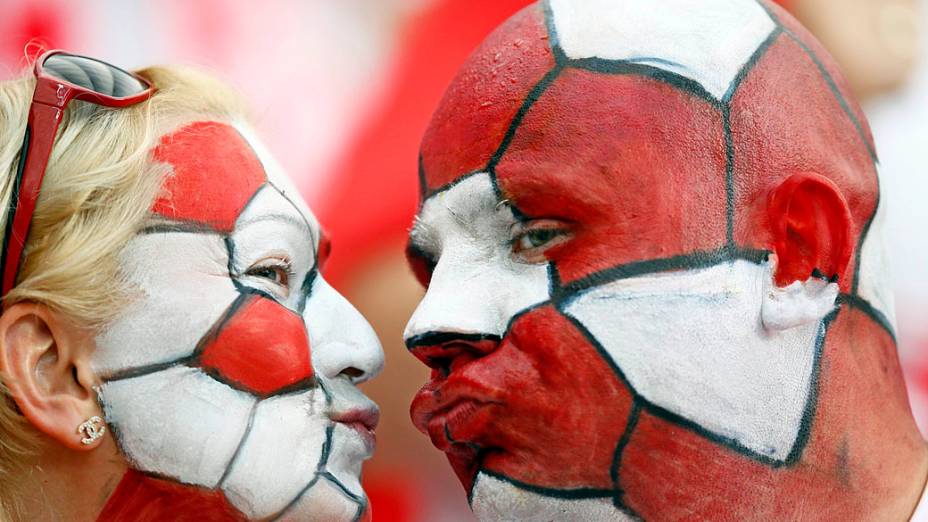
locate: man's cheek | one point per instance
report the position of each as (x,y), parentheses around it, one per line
(575,392)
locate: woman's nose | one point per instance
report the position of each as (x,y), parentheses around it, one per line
(341,340)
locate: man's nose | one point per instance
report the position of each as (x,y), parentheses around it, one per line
(341,340)
(457,303)
(447,351)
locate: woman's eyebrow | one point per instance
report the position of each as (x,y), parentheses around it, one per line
(280,218)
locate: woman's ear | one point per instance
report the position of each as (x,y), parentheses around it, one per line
(45,364)
(811,229)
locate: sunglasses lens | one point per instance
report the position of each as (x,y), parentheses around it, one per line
(94,75)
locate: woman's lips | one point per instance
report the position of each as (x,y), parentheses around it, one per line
(362,420)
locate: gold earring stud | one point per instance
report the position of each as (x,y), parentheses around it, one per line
(91,430)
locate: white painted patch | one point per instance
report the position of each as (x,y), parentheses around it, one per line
(270,227)
(497,500)
(797,304)
(324,502)
(349,451)
(694,344)
(876,278)
(184,289)
(275,172)
(283,448)
(707,41)
(177,422)
(476,287)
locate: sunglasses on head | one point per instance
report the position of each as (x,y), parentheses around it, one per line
(60,78)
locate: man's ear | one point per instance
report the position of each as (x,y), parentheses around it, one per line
(811,229)
(45,364)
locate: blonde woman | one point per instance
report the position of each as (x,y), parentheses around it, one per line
(168,349)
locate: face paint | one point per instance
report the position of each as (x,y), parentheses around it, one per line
(610,331)
(229,381)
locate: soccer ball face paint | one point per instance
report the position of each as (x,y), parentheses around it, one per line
(604,314)
(229,381)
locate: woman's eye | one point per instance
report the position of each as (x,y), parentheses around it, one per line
(276,274)
(530,244)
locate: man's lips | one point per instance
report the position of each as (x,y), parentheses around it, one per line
(447,412)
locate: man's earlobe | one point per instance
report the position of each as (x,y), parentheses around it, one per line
(45,364)
(811,229)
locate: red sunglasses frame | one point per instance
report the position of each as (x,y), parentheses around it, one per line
(49,100)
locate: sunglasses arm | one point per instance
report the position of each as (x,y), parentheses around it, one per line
(40,136)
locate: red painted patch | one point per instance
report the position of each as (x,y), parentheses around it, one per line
(785,120)
(825,58)
(543,402)
(637,164)
(262,348)
(216,173)
(140,498)
(485,96)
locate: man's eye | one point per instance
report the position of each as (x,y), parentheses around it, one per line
(276,274)
(537,238)
(534,239)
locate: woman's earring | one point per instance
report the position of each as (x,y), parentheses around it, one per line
(92,429)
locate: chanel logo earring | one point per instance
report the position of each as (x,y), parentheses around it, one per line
(91,429)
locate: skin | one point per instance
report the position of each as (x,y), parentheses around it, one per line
(44,351)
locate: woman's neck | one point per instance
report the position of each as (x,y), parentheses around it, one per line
(62,484)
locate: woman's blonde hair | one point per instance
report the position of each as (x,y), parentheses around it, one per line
(98,188)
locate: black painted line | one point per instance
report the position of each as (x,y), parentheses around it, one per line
(808,416)
(296,499)
(423,182)
(241,444)
(554,279)
(326,449)
(554,41)
(179,227)
(362,506)
(306,290)
(213,333)
(729,178)
(341,487)
(633,415)
(629,68)
(861,241)
(752,61)
(877,316)
(691,261)
(439,338)
(527,104)
(140,371)
(450,185)
(575,494)
(837,94)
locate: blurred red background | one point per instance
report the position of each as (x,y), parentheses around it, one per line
(368,74)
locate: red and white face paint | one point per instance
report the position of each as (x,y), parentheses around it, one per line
(229,382)
(613,329)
